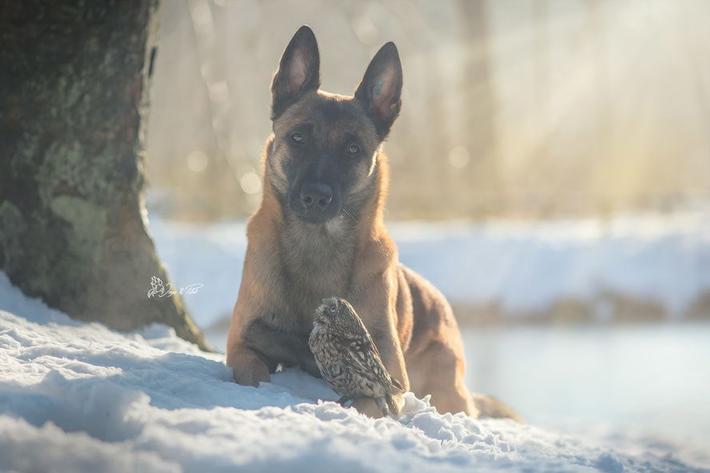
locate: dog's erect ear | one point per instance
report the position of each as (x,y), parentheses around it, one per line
(298,71)
(381,88)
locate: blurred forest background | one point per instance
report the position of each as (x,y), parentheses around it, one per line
(526,109)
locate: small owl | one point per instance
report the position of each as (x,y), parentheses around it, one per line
(348,358)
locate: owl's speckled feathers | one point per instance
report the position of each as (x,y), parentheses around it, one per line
(347,357)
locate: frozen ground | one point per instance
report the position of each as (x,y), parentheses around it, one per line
(79,397)
(521,267)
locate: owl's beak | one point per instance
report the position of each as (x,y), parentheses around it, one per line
(322,312)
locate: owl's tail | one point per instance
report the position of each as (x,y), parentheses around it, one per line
(392,405)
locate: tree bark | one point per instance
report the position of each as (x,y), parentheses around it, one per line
(74,81)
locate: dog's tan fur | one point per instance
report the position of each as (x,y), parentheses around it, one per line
(291,266)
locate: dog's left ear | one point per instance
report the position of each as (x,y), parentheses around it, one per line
(381,88)
(298,71)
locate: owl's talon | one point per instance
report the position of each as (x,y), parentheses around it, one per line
(383,406)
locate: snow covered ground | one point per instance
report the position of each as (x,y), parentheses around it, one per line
(520,267)
(79,397)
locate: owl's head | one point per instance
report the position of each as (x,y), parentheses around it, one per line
(336,313)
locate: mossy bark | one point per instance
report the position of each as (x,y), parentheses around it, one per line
(73,88)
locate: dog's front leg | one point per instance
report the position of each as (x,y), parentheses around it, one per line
(376,308)
(248,367)
(264,344)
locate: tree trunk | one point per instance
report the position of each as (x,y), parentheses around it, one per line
(74,81)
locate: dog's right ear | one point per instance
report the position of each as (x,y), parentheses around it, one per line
(298,71)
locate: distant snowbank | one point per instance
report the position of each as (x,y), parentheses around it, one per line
(80,397)
(516,269)
(525,268)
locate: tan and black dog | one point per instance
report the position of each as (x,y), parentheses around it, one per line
(319,233)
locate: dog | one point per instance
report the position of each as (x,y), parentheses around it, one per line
(319,233)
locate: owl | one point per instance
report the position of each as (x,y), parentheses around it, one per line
(347,357)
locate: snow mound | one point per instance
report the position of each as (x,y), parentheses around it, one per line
(80,397)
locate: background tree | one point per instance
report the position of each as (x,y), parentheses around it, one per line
(74,78)
(478,118)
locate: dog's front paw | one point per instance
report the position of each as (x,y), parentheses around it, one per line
(249,370)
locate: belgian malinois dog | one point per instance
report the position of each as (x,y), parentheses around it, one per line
(319,233)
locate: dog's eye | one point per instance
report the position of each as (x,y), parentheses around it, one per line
(353,148)
(298,138)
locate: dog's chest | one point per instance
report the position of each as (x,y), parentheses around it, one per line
(306,294)
(316,266)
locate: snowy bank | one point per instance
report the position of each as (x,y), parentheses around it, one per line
(642,266)
(80,397)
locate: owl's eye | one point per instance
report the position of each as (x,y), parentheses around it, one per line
(333,309)
(353,148)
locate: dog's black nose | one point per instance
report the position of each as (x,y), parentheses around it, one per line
(316,196)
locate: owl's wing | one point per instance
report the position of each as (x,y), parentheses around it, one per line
(398,389)
(395,386)
(364,357)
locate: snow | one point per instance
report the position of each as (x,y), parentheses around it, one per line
(521,266)
(80,397)
(528,266)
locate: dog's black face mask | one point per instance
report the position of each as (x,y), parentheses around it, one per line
(326,166)
(315,186)
(323,155)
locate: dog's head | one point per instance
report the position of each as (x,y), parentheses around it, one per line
(322,158)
